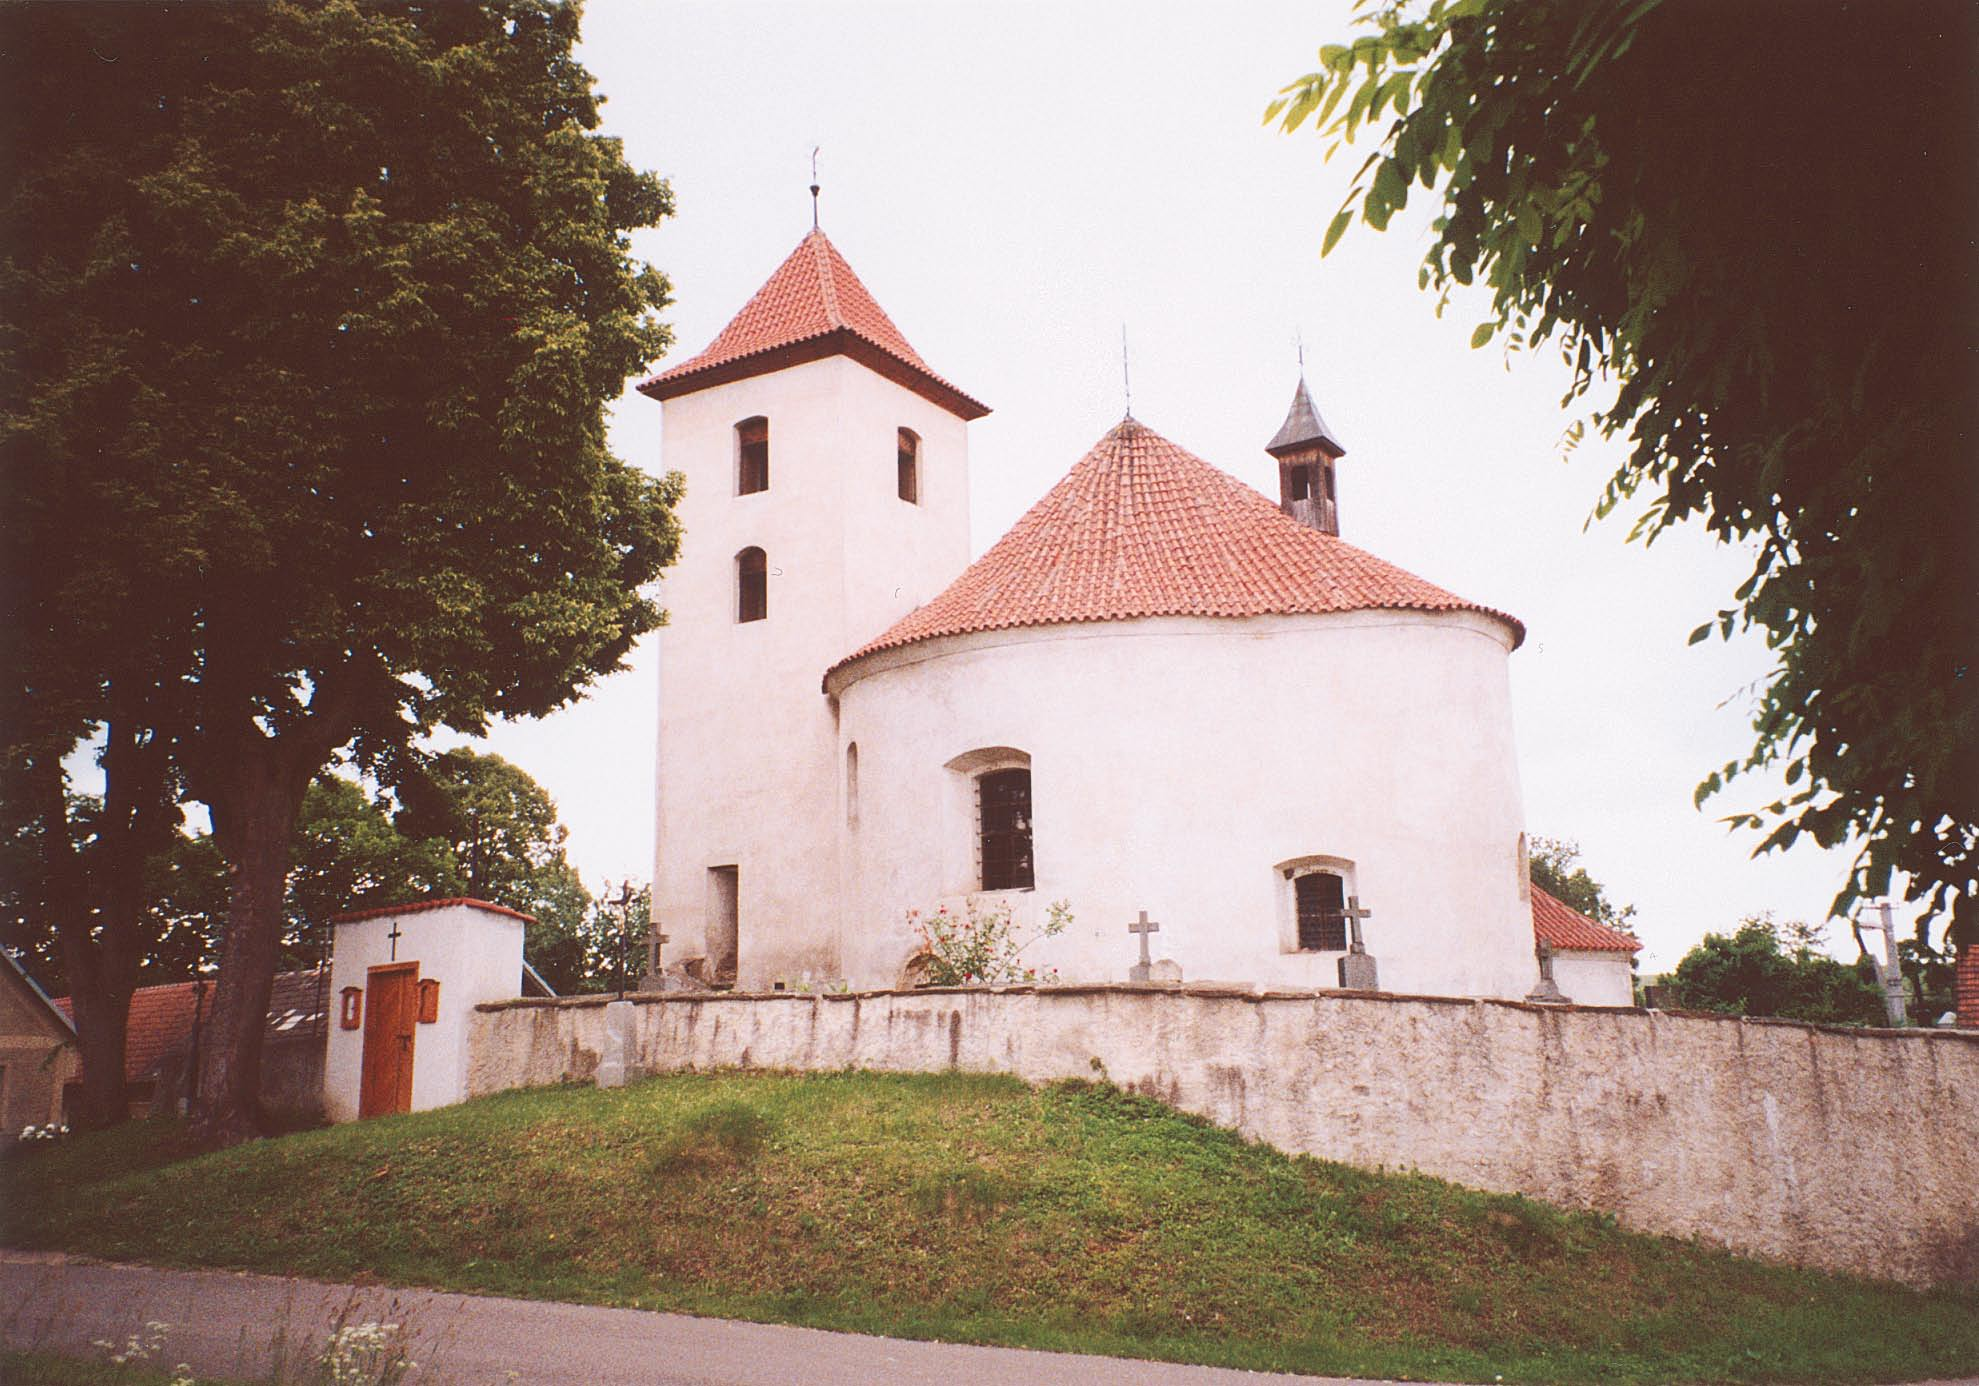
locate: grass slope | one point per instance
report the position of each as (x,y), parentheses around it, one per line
(975,1208)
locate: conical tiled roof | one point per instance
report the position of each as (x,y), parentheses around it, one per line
(813,306)
(1302,427)
(1141,527)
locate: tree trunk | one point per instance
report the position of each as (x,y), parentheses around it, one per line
(254,820)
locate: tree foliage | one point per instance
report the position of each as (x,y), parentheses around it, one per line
(1774,969)
(313,309)
(1555,868)
(1778,284)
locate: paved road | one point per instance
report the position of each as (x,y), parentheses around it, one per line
(240,1326)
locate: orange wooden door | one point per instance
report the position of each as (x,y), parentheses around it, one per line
(391,1020)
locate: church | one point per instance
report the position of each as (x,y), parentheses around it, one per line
(1162,699)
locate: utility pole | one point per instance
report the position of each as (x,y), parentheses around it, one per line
(1888,971)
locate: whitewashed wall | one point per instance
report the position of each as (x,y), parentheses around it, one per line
(1768,1137)
(475,953)
(1594,978)
(750,763)
(1178,763)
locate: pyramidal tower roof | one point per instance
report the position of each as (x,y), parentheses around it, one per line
(1141,527)
(812,307)
(1303,427)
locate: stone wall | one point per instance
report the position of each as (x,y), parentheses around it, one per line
(1852,1150)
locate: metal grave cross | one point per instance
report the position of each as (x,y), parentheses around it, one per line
(1143,926)
(1355,914)
(394,936)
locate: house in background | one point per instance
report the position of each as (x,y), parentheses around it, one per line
(167,1026)
(38,1054)
(1588,962)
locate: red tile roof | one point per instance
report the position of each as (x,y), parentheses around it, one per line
(813,306)
(1141,527)
(1559,925)
(161,1017)
(418,906)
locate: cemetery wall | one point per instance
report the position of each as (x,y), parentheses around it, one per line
(1849,1150)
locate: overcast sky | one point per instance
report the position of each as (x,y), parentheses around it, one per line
(1017,182)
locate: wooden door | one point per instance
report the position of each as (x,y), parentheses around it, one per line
(391,1019)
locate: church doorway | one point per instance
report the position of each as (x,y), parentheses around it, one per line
(724,921)
(391,1018)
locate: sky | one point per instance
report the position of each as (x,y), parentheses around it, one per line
(1017,184)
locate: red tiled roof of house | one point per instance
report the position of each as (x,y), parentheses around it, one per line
(1141,527)
(419,906)
(161,1017)
(1559,925)
(813,306)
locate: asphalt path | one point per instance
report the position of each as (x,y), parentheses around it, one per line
(260,1327)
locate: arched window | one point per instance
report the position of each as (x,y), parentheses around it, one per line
(852,784)
(1313,913)
(1003,826)
(752,457)
(752,586)
(909,452)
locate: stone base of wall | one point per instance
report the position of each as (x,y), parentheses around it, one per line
(1848,1150)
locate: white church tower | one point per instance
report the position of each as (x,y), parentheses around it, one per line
(827,496)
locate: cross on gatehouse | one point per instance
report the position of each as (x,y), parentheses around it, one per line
(1142,926)
(394,936)
(1355,914)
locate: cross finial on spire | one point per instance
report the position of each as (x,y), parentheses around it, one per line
(1126,375)
(814,187)
(1300,337)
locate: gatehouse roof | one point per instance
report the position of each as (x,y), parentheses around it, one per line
(812,307)
(1141,527)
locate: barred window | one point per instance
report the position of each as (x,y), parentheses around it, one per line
(1003,816)
(1322,904)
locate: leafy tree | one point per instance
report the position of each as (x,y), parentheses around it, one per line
(1780,283)
(1774,969)
(1556,869)
(312,313)
(501,830)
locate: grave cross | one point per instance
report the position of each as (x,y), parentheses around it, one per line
(1143,926)
(654,939)
(1355,914)
(394,936)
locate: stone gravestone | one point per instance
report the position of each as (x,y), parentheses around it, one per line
(1165,970)
(1548,991)
(616,1064)
(656,977)
(1357,971)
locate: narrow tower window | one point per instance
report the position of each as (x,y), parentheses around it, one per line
(1003,816)
(752,586)
(910,466)
(752,456)
(852,785)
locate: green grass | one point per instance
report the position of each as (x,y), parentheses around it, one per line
(975,1208)
(42,1369)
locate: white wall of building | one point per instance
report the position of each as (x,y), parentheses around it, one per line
(475,952)
(750,759)
(1178,763)
(1594,978)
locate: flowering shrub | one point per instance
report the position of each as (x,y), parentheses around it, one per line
(980,947)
